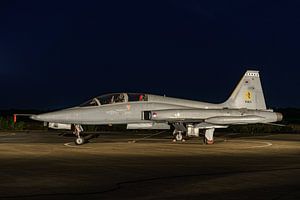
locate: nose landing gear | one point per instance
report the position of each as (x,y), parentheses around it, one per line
(77,130)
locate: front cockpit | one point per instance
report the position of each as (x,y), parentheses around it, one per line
(115,98)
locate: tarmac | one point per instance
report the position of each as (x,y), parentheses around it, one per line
(48,165)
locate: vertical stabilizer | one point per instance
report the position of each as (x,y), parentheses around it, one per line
(248,93)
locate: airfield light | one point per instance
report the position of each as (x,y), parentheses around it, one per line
(15,118)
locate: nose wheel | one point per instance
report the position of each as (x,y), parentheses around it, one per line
(79,141)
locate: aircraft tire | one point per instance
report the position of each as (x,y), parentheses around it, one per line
(79,141)
(178,137)
(207,142)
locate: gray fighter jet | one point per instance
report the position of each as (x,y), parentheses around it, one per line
(246,105)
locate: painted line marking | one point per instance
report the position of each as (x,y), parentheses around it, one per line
(265,144)
(69,144)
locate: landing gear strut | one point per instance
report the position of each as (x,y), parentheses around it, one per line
(79,140)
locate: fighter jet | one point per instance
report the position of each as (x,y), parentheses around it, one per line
(246,105)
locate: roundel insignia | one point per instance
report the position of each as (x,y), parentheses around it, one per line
(248,95)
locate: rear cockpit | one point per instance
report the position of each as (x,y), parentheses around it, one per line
(115,98)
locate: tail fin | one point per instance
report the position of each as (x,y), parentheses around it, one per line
(248,93)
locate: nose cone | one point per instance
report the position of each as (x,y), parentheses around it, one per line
(34,117)
(62,116)
(46,117)
(37,117)
(279,117)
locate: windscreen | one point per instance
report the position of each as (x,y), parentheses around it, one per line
(115,98)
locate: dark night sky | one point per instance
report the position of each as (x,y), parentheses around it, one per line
(60,53)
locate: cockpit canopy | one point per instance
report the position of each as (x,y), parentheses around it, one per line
(115,98)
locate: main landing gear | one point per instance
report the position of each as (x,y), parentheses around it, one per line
(178,136)
(77,130)
(209,136)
